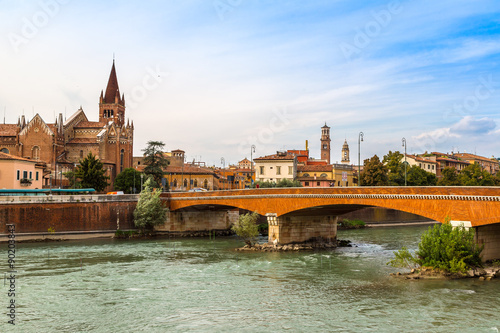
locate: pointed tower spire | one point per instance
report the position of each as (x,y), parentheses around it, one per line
(112,90)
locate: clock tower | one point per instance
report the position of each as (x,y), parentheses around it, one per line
(345,153)
(325,143)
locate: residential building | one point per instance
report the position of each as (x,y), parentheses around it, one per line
(20,173)
(273,168)
(424,163)
(489,164)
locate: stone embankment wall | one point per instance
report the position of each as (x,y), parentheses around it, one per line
(67,213)
(185,221)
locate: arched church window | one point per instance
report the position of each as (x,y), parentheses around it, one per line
(35,153)
(185,182)
(5,150)
(323,175)
(306,175)
(122,155)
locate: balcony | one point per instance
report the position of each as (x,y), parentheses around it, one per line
(26,181)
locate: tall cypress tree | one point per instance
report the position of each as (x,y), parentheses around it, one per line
(155,161)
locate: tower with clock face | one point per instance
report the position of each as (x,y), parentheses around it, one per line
(325,143)
(345,153)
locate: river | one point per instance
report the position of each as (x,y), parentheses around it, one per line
(198,285)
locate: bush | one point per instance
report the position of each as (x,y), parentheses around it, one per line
(352,224)
(443,247)
(247,227)
(149,211)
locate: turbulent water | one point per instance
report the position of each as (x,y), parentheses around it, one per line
(198,285)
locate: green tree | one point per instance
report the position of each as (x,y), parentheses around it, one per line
(155,160)
(449,177)
(91,173)
(149,211)
(288,183)
(396,168)
(443,247)
(247,227)
(474,175)
(419,177)
(73,182)
(374,173)
(125,181)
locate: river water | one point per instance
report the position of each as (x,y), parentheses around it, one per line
(198,285)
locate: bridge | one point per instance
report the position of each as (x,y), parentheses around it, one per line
(302,214)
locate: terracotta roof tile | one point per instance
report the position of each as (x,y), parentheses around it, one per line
(276,157)
(8,129)
(324,168)
(4,156)
(91,124)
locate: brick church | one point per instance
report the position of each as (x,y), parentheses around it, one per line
(59,146)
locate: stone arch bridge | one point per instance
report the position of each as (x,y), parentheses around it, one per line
(300,214)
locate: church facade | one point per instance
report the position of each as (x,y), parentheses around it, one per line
(60,146)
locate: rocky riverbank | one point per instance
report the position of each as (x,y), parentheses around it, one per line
(487,273)
(307,246)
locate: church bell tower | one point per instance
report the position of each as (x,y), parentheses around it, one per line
(345,153)
(111,104)
(325,143)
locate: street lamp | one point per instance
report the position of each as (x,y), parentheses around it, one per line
(360,138)
(142,178)
(252,150)
(404,145)
(223,162)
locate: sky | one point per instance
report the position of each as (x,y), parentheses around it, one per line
(215,77)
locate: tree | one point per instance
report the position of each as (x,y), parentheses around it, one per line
(474,175)
(419,177)
(73,182)
(449,177)
(396,168)
(374,173)
(155,160)
(247,227)
(125,181)
(288,183)
(91,172)
(149,211)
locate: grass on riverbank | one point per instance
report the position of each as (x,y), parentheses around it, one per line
(351,224)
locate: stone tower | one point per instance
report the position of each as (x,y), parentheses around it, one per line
(345,153)
(325,143)
(111,105)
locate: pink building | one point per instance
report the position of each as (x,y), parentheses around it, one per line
(19,173)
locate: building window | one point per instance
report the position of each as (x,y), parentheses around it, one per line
(317,183)
(306,175)
(35,153)
(122,155)
(196,183)
(81,153)
(36,175)
(420,165)
(25,174)
(175,182)
(278,170)
(433,167)
(5,150)
(306,183)
(205,184)
(323,175)
(31,175)
(278,180)
(18,174)
(185,182)
(261,170)
(290,170)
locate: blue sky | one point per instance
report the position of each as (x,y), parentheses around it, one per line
(214,77)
